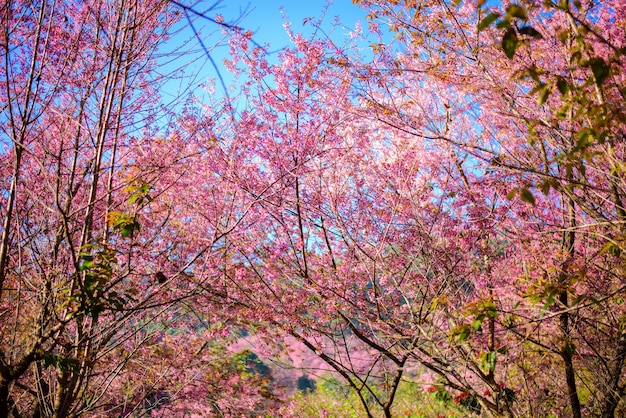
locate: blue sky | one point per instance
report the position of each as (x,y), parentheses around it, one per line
(263,17)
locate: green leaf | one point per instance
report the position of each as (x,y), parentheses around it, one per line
(86,264)
(491,17)
(562,85)
(135,198)
(461,332)
(530,31)
(490,310)
(477,324)
(599,69)
(534,74)
(527,196)
(544,93)
(139,193)
(50,359)
(515,10)
(504,23)
(509,43)
(510,195)
(63,363)
(611,248)
(508,321)
(91,282)
(577,300)
(549,300)
(569,348)
(546,185)
(490,361)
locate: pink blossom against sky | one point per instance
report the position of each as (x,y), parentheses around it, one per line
(195,38)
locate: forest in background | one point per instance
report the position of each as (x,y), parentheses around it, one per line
(432,225)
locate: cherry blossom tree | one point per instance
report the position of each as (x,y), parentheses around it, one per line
(98,186)
(349,247)
(445,211)
(527,100)
(450,210)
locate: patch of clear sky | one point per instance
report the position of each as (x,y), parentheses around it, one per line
(201,47)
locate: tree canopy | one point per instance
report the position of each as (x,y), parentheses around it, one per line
(444,210)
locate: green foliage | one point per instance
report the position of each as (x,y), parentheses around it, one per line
(306,384)
(124,223)
(515,14)
(527,196)
(249,364)
(331,398)
(488,362)
(483,310)
(127,224)
(139,193)
(461,332)
(98,262)
(509,42)
(334,399)
(524,194)
(599,68)
(97,265)
(611,248)
(61,362)
(487,21)
(441,395)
